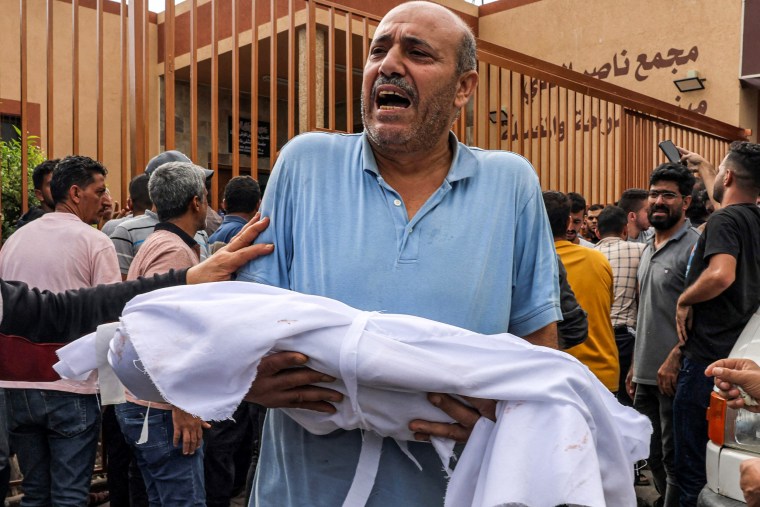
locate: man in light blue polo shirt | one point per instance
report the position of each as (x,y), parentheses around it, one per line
(405,219)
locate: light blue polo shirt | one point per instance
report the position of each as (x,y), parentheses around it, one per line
(478,254)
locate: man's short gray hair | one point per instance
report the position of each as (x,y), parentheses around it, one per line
(173,186)
(467,51)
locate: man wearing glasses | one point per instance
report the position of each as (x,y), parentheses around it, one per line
(657,354)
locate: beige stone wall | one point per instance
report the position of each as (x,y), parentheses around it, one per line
(642,45)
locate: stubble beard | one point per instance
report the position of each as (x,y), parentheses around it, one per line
(422,135)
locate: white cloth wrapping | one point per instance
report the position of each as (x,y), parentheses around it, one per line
(560,435)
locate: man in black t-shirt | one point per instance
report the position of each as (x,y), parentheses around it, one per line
(723,291)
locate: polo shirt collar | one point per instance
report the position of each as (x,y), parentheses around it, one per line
(168,226)
(152,214)
(675,237)
(463,163)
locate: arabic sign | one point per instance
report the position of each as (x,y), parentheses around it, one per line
(548,128)
(262,140)
(621,65)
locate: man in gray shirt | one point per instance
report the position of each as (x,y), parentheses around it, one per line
(661,278)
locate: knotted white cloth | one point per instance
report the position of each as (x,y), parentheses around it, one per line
(560,435)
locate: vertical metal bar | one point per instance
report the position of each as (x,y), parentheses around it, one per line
(499,108)
(24,111)
(529,153)
(99,120)
(541,171)
(510,111)
(331,68)
(254,92)
(475,109)
(583,190)
(75,76)
(568,165)
(349,73)
(126,171)
(169,129)
(292,54)
(487,104)
(616,158)
(599,168)
(50,82)
(273,78)
(365,39)
(215,102)
(554,179)
(557,160)
(194,79)
(521,116)
(146,82)
(311,79)
(236,93)
(136,95)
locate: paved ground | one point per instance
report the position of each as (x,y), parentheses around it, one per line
(647,495)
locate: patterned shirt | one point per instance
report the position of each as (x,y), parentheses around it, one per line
(624,258)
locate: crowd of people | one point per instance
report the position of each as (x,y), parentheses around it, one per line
(646,292)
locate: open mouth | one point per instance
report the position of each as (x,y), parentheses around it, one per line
(388,100)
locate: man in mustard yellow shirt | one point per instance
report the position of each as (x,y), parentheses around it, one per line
(590,276)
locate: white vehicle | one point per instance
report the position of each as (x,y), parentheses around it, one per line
(734,434)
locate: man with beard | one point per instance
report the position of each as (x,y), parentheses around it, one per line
(417,223)
(723,293)
(577,216)
(657,354)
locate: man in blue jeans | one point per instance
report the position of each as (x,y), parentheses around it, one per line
(723,291)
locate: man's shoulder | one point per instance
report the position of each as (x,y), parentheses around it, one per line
(500,162)
(310,142)
(127,227)
(743,216)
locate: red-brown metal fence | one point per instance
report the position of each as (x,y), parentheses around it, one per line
(131,83)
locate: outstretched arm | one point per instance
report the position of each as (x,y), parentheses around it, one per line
(44,316)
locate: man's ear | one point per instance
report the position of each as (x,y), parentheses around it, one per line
(729,178)
(38,195)
(631,217)
(75,194)
(466,85)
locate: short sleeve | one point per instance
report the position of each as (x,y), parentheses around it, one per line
(722,236)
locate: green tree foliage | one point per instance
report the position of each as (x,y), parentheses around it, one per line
(10,165)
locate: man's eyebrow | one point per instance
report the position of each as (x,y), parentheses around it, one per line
(406,39)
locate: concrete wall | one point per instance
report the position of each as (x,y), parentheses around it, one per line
(642,45)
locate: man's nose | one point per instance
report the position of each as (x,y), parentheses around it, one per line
(393,63)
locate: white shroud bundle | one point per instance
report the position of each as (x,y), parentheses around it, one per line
(560,435)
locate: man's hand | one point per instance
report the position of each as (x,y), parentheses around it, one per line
(630,385)
(684,316)
(667,375)
(188,429)
(702,169)
(283,382)
(749,481)
(222,264)
(734,372)
(465,416)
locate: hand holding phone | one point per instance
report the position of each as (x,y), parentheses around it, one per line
(670,151)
